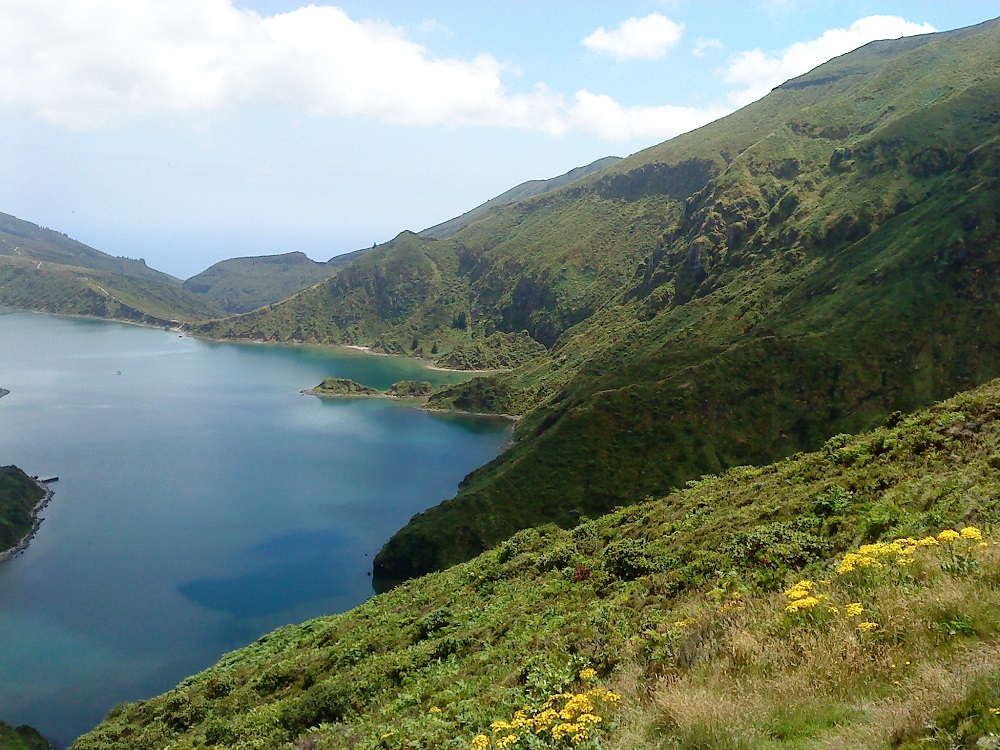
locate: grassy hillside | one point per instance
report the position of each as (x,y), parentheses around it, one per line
(239,285)
(72,290)
(744,611)
(18,495)
(800,268)
(521,192)
(45,270)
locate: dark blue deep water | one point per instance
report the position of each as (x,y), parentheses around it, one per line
(202,501)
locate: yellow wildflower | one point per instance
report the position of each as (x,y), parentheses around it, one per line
(799,604)
(799,590)
(685,622)
(479,742)
(434,710)
(588,674)
(984,544)
(510,739)
(865,627)
(971,532)
(854,609)
(927,541)
(948,535)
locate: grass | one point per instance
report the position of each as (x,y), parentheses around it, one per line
(677,604)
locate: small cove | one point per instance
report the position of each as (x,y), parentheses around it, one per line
(202,501)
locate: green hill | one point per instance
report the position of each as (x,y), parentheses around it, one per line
(239,285)
(800,268)
(521,192)
(45,270)
(741,612)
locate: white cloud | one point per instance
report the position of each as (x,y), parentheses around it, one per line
(97,63)
(649,37)
(701,44)
(756,72)
(90,63)
(604,117)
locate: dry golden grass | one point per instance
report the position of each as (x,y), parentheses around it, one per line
(756,676)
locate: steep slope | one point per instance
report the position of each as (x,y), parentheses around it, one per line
(521,192)
(239,285)
(800,268)
(44,270)
(839,262)
(677,605)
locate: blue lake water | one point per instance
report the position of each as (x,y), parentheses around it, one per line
(202,501)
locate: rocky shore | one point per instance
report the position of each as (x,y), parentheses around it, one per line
(22,545)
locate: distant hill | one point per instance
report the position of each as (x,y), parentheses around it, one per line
(240,285)
(22,239)
(800,268)
(521,192)
(41,269)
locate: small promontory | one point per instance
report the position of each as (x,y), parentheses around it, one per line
(343,387)
(19,494)
(347,387)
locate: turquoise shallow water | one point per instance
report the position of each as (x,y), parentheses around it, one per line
(202,501)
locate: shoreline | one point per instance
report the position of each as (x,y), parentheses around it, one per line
(181,327)
(36,522)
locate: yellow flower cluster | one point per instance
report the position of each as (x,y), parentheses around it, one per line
(805,594)
(588,674)
(685,622)
(900,551)
(800,590)
(564,716)
(807,602)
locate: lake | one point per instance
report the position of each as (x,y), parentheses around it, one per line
(202,501)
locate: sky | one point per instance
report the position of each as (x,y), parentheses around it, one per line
(185,132)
